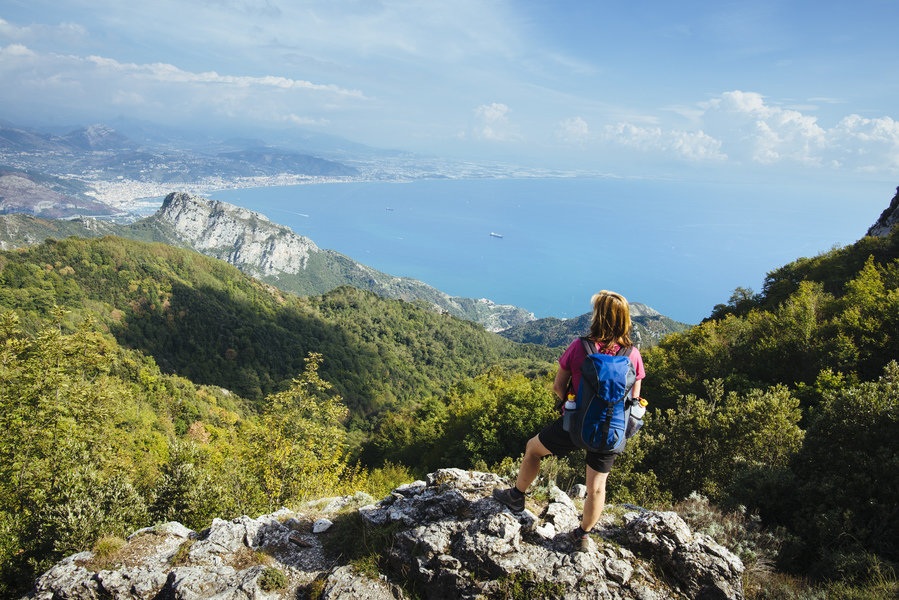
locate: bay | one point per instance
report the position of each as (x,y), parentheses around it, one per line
(680,247)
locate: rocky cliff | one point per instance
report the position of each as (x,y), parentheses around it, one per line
(241,237)
(444,538)
(888,218)
(277,255)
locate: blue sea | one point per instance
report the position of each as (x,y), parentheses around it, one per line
(679,247)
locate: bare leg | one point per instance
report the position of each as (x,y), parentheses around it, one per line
(596,497)
(530,464)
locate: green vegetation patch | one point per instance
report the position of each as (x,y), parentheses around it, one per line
(272,579)
(523,586)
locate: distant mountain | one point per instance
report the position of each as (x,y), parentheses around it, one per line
(25,140)
(270,252)
(650,326)
(85,139)
(264,161)
(46,196)
(19,230)
(212,142)
(101,152)
(98,137)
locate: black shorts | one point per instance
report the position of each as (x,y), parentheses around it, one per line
(558,441)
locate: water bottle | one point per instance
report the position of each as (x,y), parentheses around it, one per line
(568,413)
(639,408)
(635,422)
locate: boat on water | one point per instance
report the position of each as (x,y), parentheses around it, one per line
(496,235)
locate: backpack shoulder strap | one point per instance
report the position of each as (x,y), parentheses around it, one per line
(624,351)
(589,346)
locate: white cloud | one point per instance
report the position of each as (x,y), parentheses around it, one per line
(492,113)
(297,120)
(744,127)
(16,51)
(96,85)
(172,74)
(690,145)
(493,124)
(29,33)
(574,131)
(762,132)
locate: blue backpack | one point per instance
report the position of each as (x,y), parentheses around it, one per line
(600,420)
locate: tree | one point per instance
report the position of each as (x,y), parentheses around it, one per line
(700,445)
(299,448)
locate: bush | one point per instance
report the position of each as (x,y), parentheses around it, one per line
(702,444)
(272,579)
(186,491)
(83,506)
(847,473)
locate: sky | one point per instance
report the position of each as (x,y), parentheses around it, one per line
(773,89)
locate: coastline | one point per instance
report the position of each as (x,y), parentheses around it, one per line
(134,196)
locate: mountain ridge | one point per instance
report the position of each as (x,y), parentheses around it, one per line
(277,255)
(649,327)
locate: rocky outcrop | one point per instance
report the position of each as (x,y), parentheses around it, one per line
(888,218)
(448,539)
(277,255)
(458,542)
(236,235)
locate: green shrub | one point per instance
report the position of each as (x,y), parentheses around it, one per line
(272,579)
(847,473)
(186,490)
(386,478)
(107,547)
(523,586)
(83,506)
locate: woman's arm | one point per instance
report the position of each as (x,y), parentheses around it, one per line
(636,388)
(560,385)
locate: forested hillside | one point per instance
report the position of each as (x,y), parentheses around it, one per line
(837,312)
(203,319)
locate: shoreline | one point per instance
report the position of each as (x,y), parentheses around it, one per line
(131,196)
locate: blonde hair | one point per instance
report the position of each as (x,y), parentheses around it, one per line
(611,320)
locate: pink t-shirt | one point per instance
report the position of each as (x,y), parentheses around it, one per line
(573,357)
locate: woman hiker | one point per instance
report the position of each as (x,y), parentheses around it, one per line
(609,332)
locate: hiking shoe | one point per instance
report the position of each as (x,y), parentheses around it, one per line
(580,542)
(505,497)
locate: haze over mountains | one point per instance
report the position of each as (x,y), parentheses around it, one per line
(98,151)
